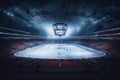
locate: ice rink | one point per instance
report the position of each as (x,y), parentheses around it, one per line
(60,51)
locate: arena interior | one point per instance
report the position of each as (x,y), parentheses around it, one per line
(59,39)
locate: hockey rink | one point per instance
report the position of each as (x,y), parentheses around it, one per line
(60,51)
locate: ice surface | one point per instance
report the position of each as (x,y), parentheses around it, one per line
(59,51)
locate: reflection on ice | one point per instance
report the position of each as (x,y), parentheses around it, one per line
(59,51)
